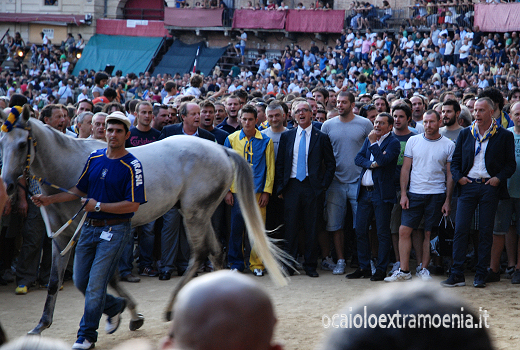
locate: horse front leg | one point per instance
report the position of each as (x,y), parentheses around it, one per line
(137,319)
(58,267)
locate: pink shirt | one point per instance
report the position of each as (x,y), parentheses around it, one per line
(365,48)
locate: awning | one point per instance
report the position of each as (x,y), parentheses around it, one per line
(37,17)
(180,58)
(125,53)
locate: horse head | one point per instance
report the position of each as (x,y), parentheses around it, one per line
(15,145)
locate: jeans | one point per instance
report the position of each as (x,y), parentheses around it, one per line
(94,265)
(146,242)
(175,249)
(370,203)
(336,200)
(472,194)
(384,18)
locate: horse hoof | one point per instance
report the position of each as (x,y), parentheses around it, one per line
(38,329)
(168,316)
(136,324)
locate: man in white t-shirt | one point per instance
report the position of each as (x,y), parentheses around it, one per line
(429,194)
(241,47)
(358,42)
(350,40)
(464,51)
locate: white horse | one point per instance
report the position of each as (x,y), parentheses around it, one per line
(190,172)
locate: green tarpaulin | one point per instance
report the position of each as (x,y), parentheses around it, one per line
(129,54)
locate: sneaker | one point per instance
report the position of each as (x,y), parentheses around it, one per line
(418,269)
(113,322)
(395,267)
(373,266)
(258,272)
(83,343)
(516,277)
(510,271)
(130,278)
(492,276)
(399,276)
(327,264)
(479,282)
(454,281)
(21,290)
(424,275)
(148,271)
(340,267)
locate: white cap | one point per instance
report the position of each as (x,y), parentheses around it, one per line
(119,116)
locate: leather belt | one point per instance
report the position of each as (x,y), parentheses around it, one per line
(480,180)
(368,188)
(107,222)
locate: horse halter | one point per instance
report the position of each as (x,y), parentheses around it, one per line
(11,123)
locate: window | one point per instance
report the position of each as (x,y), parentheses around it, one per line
(50,2)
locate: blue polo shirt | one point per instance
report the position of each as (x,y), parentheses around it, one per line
(112,180)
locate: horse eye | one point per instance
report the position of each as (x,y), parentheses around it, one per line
(22,145)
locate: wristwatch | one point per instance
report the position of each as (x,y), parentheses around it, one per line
(97,208)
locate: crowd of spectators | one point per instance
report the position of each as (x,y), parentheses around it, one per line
(377,68)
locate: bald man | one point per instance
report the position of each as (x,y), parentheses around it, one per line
(222,310)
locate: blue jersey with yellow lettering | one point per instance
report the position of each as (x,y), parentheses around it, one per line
(112,180)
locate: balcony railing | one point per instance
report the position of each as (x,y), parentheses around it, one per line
(358,18)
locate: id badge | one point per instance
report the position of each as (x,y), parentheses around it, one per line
(106,235)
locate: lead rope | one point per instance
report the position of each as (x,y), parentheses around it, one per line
(8,125)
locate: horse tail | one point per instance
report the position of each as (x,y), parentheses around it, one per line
(271,255)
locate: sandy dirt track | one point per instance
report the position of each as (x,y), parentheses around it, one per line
(299,308)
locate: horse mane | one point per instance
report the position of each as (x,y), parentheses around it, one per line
(62,140)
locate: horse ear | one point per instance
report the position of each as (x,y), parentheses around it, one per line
(26,112)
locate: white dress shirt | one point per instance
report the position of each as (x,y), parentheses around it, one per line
(367,180)
(308,131)
(479,164)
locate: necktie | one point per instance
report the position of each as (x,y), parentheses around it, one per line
(300,166)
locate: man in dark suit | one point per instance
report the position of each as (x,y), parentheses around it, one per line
(483,160)
(174,244)
(376,194)
(305,167)
(190,114)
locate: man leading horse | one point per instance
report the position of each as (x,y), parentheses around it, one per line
(112,186)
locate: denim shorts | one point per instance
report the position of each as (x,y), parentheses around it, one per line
(504,216)
(336,203)
(427,205)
